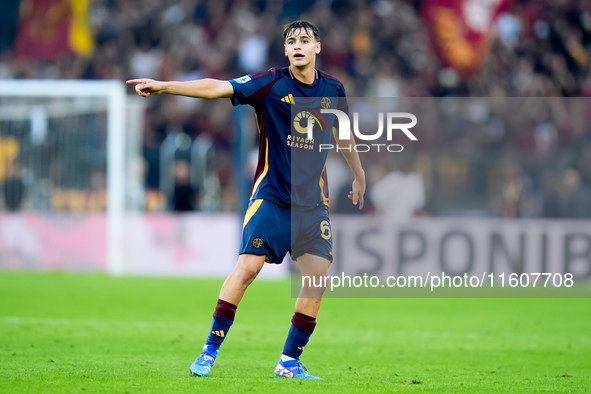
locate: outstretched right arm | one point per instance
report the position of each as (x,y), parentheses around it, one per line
(203,88)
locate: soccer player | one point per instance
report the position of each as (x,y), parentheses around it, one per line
(288,209)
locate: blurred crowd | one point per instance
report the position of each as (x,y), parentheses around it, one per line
(482,156)
(377,48)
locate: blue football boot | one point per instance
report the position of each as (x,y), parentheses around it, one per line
(202,366)
(293,369)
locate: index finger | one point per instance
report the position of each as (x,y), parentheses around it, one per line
(134,81)
(360,201)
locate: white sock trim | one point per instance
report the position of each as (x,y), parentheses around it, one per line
(286,358)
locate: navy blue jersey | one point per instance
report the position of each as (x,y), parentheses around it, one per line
(291,168)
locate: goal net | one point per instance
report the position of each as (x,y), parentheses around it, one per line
(68,147)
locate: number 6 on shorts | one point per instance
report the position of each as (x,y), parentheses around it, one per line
(325,229)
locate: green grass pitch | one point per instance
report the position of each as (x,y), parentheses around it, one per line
(94,333)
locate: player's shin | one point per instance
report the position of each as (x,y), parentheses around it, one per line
(223,318)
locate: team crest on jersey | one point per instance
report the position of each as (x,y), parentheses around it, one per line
(257,243)
(325,102)
(243,79)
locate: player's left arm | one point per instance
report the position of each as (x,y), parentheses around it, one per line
(346,147)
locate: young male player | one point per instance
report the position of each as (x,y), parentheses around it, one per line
(288,208)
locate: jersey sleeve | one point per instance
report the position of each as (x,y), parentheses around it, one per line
(252,88)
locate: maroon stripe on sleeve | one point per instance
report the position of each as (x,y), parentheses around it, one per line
(262,92)
(261,74)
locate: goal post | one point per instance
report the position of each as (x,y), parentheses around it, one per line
(74,150)
(112,92)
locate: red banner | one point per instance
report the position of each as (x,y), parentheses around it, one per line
(460,30)
(50,28)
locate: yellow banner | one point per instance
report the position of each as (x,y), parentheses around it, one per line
(81,40)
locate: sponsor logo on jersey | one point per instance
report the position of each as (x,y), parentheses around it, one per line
(303,123)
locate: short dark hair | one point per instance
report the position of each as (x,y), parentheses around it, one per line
(298,25)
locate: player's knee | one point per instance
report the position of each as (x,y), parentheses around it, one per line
(247,274)
(247,270)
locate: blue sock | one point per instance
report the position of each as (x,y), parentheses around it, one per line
(223,317)
(219,330)
(295,342)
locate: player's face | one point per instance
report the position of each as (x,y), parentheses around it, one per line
(301,48)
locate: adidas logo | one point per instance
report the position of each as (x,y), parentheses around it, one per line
(301,348)
(288,99)
(219,333)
